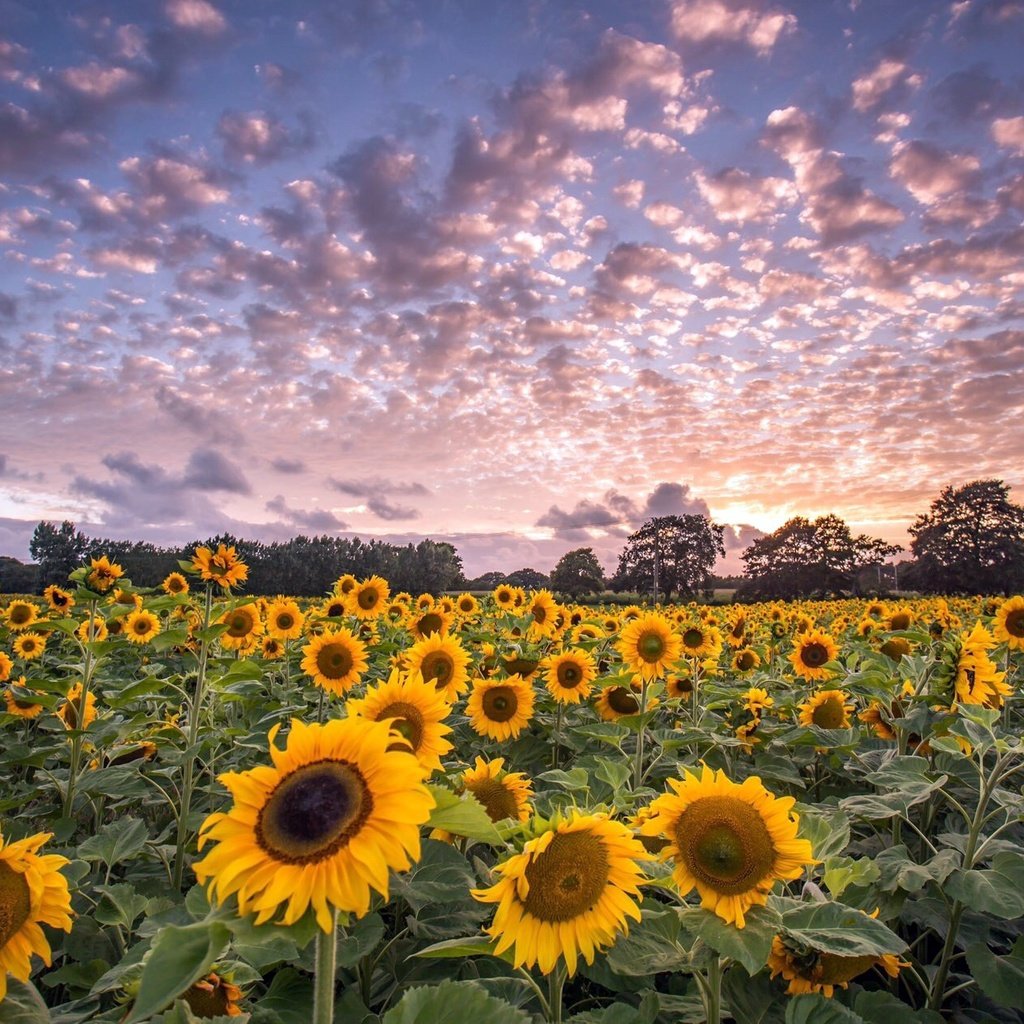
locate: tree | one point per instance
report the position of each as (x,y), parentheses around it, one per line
(528,579)
(802,558)
(674,553)
(57,550)
(970,541)
(578,572)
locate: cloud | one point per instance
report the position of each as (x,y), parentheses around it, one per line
(929,172)
(289,466)
(173,186)
(259,138)
(196,16)
(317,520)
(1009,133)
(888,82)
(736,195)
(375,493)
(701,23)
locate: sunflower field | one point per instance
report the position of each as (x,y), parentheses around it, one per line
(502,810)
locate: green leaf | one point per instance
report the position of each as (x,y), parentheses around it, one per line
(752,1000)
(816,1009)
(120,905)
(835,928)
(749,945)
(452,949)
(841,872)
(442,876)
(178,959)
(998,891)
(118,841)
(898,871)
(828,829)
(23,1004)
(883,1007)
(462,815)
(290,997)
(453,1001)
(1001,977)
(359,939)
(651,946)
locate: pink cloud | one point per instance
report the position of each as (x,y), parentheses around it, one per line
(734,21)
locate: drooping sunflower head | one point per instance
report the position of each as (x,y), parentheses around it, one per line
(827,709)
(568,675)
(213,996)
(58,599)
(29,646)
(812,651)
(1009,623)
(174,584)
(679,686)
(902,618)
(92,630)
(245,627)
(70,711)
(877,717)
(367,600)
(503,794)
(285,620)
(895,648)
(649,645)
(335,660)
(141,626)
(500,708)
(20,615)
(22,706)
(731,841)
(443,662)
(813,970)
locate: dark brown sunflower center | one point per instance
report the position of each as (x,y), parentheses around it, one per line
(1015,623)
(465,605)
(240,624)
(70,712)
(814,654)
(142,626)
(724,844)
(500,703)
(679,686)
(569,675)
(15,903)
(24,705)
(439,666)
(285,621)
(368,599)
(568,878)
(334,661)
(20,615)
(540,613)
(895,648)
(650,647)
(829,714)
(622,701)
(901,620)
(503,597)
(314,812)
(834,970)
(744,661)
(430,623)
(335,608)
(28,645)
(210,999)
(175,585)
(499,802)
(408,723)
(346,586)
(693,638)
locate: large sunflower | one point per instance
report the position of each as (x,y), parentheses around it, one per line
(649,645)
(503,794)
(827,709)
(335,660)
(285,620)
(32,892)
(499,708)
(569,675)
(442,661)
(731,841)
(615,702)
(568,893)
(1009,623)
(58,599)
(699,640)
(812,651)
(223,566)
(417,710)
(320,828)
(978,681)
(367,600)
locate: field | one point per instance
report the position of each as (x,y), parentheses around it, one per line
(399,808)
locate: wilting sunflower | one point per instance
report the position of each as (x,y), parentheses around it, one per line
(58,599)
(746,659)
(103,574)
(827,709)
(20,615)
(174,583)
(29,646)
(335,660)
(5,667)
(813,970)
(320,828)
(876,716)
(569,675)
(126,599)
(649,645)
(367,600)
(542,610)
(441,661)
(615,702)
(213,996)
(245,627)
(32,892)
(22,707)
(425,623)
(223,566)
(756,700)
(499,708)
(417,711)
(1009,623)
(731,841)
(70,711)
(901,618)
(285,620)
(92,630)
(503,794)
(141,626)
(812,651)
(568,893)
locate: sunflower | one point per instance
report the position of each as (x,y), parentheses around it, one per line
(756,700)
(499,708)
(423,623)
(827,709)
(244,627)
(141,626)
(335,660)
(20,615)
(521,665)
(877,716)
(58,599)
(223,566)
(611,625)
(746,659)
(29,646)
(32,892)
(344,585)
(504,597)
(367,600)
(812,652)
(977,679)
(586,631)
(679,686)
(213,996)
(423,603)
(70,712)
(442,661)
(699,640)
(731,841)
(1009,624)
(284,620)
(5,667)
(320,828)
(901,618)
(736,634)
(22,707)
(103,574)
(271,648)
(333,608)
(126,599)
(615,702)
(569,675)
(174,583)
(568,893)
(813,970)
(467,606)
(92,630)
(895,648)
(417,711)
(543,611)
(503,794)
(648,645)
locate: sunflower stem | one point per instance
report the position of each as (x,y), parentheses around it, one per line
(638,761)
(555,752)
(712,993)
(189,766)
(323,991)
(320,708)
(556,983)
(75,763)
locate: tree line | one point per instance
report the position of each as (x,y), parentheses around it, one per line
(971,540)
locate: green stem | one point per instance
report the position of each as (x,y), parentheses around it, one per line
(537,991)
(638,761)
(558,728)
(713,992)
(324,983)
(320,708)
(556,982)
(75,764)
(189,766)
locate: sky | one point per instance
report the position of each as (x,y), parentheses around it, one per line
(516,274)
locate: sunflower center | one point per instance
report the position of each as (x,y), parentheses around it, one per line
(693,638)
(408,722)
(141,626)
(240,624)
(569,675)
(499,802)
(174,585)
(650,647)
(540,613)
(745,661)
(622,701)
(524,667)
(437,665)
(334,661)
(313,812)
(206,999)
(829,714)
(725,844)
(1015,623)
(568,878)
(430,623)
(500,703)
(15,902)
(465,606)
(285,621)
(814,654)
(335,608)
(20,615)
(368,599)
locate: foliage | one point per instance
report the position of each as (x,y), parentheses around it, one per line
(58,550)
(576,573)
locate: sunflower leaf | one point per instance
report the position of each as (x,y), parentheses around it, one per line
(749,945)
(836,928)
(462,815)
(999,891)
(1001,978)
(23,1004)
(453,1000)
(816,1009)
